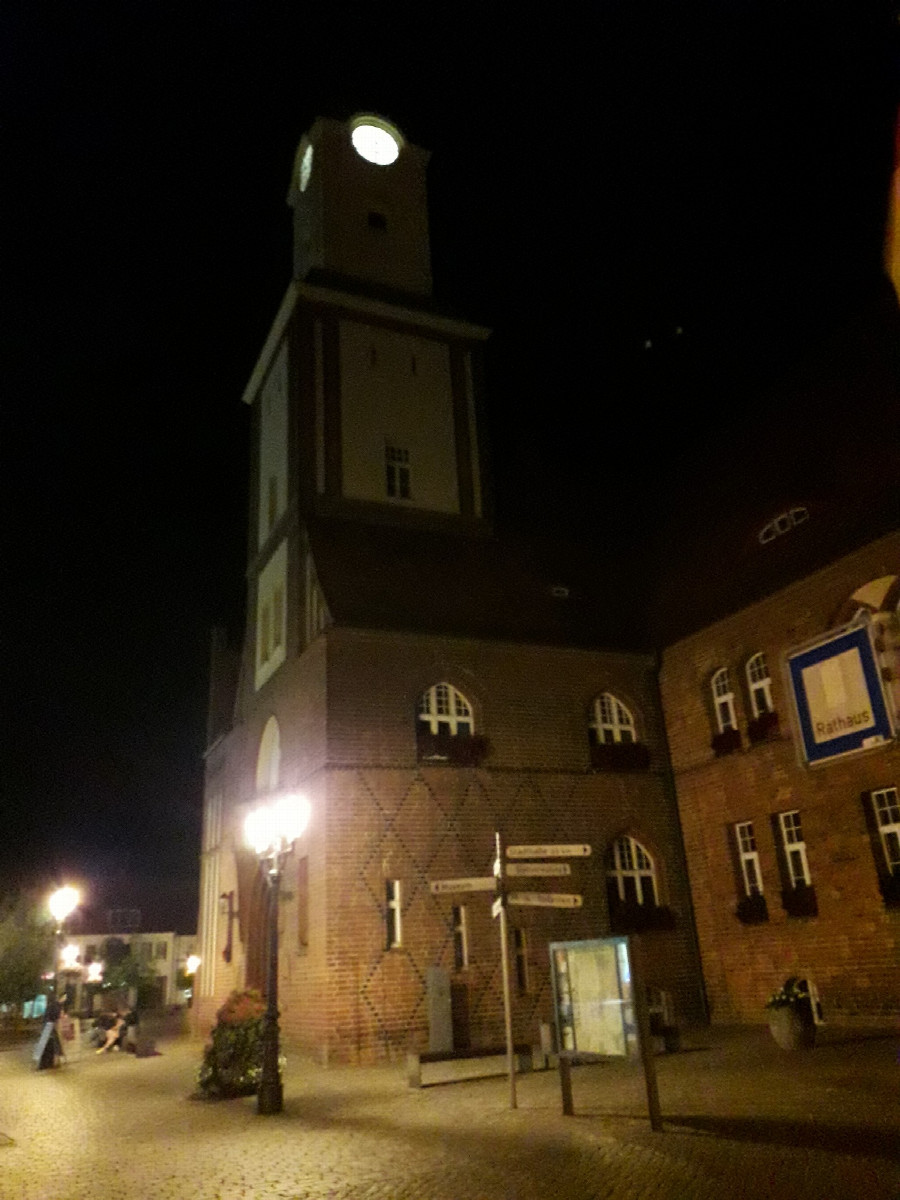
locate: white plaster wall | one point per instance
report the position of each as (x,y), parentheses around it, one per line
(385,399)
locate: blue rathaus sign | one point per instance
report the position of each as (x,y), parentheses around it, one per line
(838,696)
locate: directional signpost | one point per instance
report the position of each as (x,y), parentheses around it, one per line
(559,850)
(538,869)
(544,899)
(475,883)
(495,883)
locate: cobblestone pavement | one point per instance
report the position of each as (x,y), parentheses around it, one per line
(742,1120)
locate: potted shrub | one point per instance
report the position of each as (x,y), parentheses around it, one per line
(791,1020)
(232,1059)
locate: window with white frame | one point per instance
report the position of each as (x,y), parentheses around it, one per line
(887,816)
(631,872)
(460,936)
(749,858)
(794,849)
(723,700)
(759,685)
(610,720)
(444,710)
(392,913)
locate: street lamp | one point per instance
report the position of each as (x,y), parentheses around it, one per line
(271,831)
(62,904)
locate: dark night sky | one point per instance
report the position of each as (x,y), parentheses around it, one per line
(598,178)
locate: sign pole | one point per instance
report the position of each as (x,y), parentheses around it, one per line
(504,959)
(642,1017)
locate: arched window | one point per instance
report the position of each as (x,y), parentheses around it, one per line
(610,720)
(759,685)
(632,889)
(444,710)
(445,728)
(723,700)
(631,873)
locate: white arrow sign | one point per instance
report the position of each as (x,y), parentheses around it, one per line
(545,868)
(552,851)
(475,883)
(545,899)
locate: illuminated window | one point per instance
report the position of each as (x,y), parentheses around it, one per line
(444,710)
(887,816)
(392,913)
(723,700)
(631,873)
(749,858)
(610,720)
(396,467)
(794,849)
(460,936)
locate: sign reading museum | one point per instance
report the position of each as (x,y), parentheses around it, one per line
(838,697)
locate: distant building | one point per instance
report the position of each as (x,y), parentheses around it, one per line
(165,953)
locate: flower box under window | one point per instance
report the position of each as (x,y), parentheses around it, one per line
(800,901)
(619,756)
(456,750)
(726,742)
(639,918)
(763,728)
(752,910)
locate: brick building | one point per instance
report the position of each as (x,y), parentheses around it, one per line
(791,826)
(424,682)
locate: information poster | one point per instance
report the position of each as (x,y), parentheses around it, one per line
(593,997)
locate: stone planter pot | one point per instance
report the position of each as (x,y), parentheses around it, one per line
(791,1029)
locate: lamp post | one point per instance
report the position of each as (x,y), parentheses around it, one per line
(271,830)
(62,904)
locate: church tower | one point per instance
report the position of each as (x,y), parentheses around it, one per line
(365,394)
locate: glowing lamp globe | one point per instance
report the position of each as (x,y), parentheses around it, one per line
(63,902)
(375,140)
(274,826)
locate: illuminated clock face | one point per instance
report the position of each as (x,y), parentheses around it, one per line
(306,163)
(375,140)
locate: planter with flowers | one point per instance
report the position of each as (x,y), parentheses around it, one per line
(791,1020)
